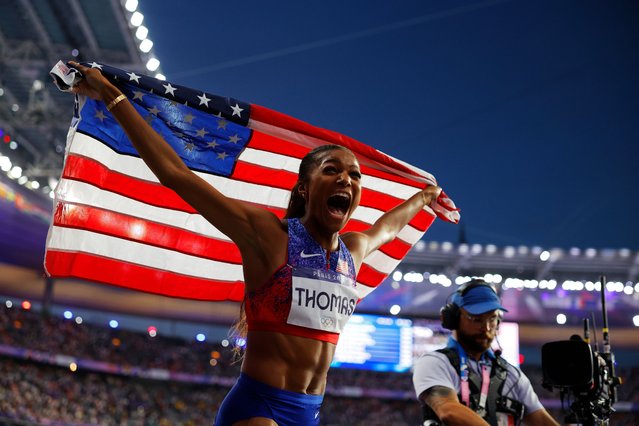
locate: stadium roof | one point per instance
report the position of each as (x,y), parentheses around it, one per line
(34,35)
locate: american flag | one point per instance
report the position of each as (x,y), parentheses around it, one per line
(114,223)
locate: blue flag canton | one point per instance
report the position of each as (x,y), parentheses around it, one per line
(206,138)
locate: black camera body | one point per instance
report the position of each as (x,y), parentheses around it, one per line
(584,376)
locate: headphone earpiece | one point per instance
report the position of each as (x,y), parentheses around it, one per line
(449,315)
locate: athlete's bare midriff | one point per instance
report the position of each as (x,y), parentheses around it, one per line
(296,364)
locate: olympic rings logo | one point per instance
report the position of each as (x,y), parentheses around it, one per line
(327,322)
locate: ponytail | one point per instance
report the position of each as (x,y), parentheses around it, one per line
(296,204)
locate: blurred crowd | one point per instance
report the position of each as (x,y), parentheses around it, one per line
(33,391)
(42,394)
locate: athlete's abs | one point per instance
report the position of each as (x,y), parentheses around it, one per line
(297,364)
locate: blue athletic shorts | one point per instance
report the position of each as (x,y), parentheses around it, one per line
(249,398)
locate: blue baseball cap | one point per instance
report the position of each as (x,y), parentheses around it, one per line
(479,300)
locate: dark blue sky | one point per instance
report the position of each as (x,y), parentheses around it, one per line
(526,112)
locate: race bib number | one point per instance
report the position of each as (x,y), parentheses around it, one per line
(321,300)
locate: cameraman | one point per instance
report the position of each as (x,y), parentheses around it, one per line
(467,383)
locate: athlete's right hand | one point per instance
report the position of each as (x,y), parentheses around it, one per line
(93,84)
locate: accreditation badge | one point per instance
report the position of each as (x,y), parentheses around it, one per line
(322,299)
(504,419)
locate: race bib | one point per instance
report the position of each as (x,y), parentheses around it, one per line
(321,300)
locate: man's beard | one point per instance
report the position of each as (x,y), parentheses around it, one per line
(479,342)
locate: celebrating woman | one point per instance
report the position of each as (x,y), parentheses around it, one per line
(299,273)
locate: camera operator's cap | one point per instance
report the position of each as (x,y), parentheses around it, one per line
(479,300)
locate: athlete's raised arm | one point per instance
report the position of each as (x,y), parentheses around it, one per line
(250,227)
(386,228)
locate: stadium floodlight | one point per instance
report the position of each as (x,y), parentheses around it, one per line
(395,309)
(146,45)
(635,320)
(561,318)
(544,256)
(5,163)
(34,184)
(413,277)
(15,172)
(53,182)
(131,5)
(142,32)
(37,85)
(160,76)
(459,280)
(136,19)
(152,64)
(397,275)
(13,145)
(509,251)
(23,179)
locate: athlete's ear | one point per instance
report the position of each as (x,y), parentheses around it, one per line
(302,188)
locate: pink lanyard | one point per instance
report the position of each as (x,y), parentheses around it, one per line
(486,369)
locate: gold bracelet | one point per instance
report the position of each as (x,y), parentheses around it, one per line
(115,101)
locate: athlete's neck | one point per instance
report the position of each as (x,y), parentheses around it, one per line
(329,241)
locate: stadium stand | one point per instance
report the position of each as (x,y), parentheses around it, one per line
(54,371)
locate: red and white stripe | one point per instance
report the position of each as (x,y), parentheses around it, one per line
(115,223)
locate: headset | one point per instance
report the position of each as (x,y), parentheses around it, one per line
(450,313)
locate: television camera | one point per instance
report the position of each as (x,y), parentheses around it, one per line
(584,375)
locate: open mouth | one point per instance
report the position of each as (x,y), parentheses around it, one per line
(339,204)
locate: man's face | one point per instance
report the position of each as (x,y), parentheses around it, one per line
(477,332)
